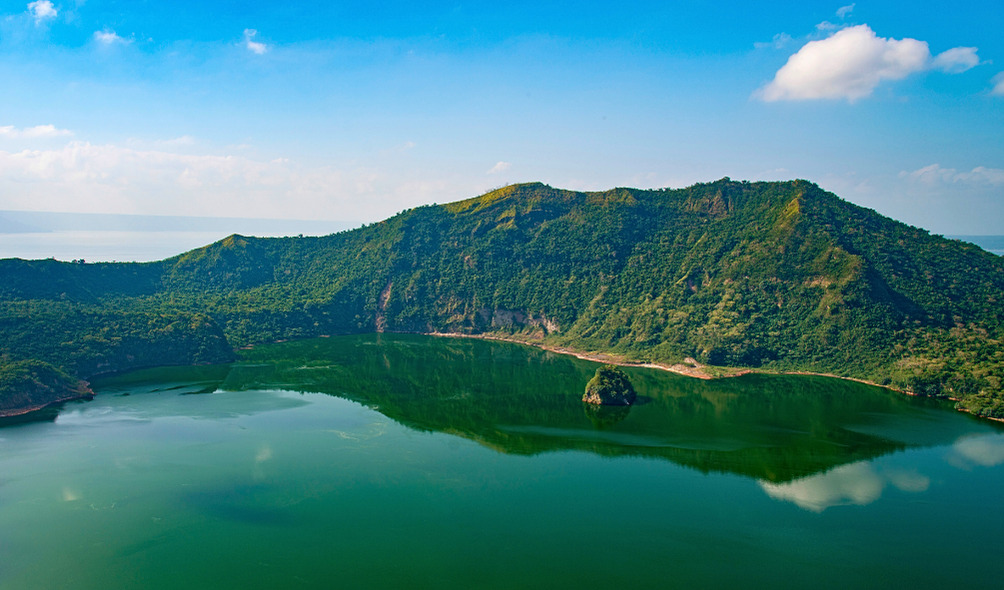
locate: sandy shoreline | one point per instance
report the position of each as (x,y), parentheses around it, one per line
(692,369)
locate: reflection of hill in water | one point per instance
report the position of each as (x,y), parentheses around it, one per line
(523,400)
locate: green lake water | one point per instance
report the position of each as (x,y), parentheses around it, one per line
(417,462)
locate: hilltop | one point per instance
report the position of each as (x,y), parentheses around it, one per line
(776,276)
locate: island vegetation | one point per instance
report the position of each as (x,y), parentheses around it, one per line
(609,387)
(770,276)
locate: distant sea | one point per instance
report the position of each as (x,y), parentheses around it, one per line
(134,238)
(142,238)
(993,244)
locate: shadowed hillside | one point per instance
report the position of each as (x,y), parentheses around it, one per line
(778,276)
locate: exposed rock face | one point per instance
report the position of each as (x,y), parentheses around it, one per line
(505,318)
(609,387)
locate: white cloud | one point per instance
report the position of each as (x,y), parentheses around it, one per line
(982,175)
(845,11)
(935,174)
(849,64)
(852,62)
(998,88)
(88,178)
(500,167)
(252,45)
(109,37)
(42,10)
(956,60)
(38,131)
(930,174)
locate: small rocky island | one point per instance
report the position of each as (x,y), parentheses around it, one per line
(609,387)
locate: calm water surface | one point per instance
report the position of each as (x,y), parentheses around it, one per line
(404,461)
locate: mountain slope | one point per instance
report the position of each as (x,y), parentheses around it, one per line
(782,276)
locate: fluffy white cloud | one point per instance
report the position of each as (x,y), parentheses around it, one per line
(935,174)
(42,10)
(38,131)
(252,45)
(500,167)
(852,62)
(956,60)
(109,37)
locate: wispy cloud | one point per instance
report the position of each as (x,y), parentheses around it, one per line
(84,177)
(38,131)
(780,41)
(998,82)
(956,60)
(935,174)
(853,61)
(183,140)
(500,167)
(252,45)
(109,37)
(845,11)
(42,10)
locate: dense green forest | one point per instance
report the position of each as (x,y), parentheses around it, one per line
(778,276)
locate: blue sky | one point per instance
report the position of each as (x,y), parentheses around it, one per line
(350,111)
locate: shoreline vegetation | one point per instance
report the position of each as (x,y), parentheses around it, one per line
(689,368)
(27,412)
(733,276)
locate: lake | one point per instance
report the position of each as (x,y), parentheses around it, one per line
(390,461)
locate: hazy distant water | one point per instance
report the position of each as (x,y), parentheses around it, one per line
(142,238)
(993,244)
(133,238)
(103,246)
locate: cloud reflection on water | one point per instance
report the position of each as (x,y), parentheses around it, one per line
(854,484)
(985,451)
(861,483)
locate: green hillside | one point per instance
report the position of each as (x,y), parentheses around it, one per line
(777,276)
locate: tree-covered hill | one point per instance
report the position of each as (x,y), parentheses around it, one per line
(777,276)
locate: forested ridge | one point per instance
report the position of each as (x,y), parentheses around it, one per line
(771,275)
